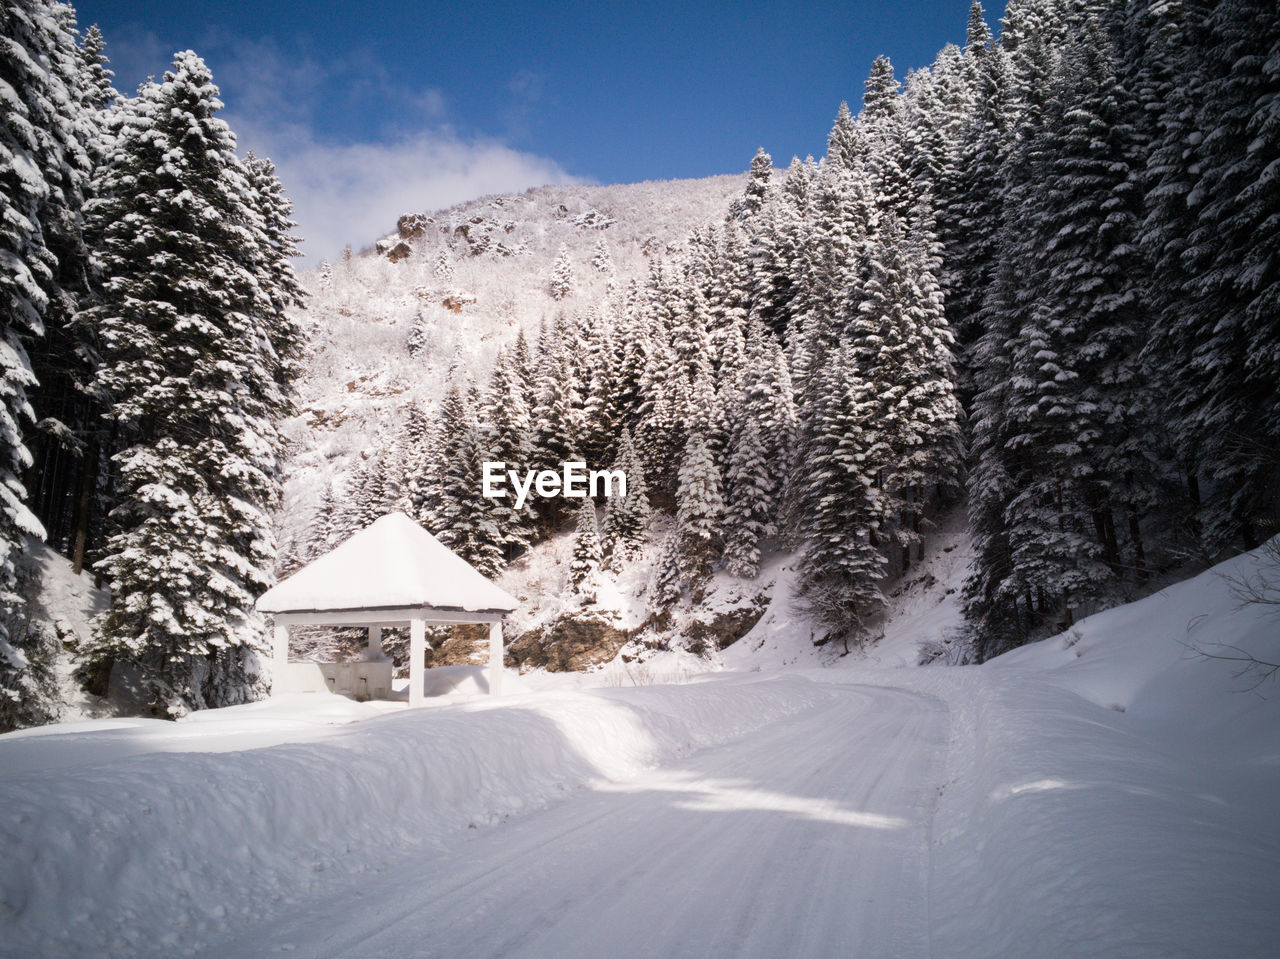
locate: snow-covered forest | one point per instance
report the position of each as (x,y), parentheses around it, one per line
(1035,277)
(1037,281)
(938,617)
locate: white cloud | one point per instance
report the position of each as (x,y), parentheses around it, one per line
(281,100)
(353,193)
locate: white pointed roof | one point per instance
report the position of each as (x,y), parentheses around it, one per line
(392,564)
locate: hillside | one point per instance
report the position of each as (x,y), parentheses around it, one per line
(466,279)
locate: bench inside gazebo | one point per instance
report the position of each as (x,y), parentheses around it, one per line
(392,573)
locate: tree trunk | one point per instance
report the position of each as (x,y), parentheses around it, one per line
(1139,554)
(84,506)
(1112,545)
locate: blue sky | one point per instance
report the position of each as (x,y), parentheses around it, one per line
(371,109)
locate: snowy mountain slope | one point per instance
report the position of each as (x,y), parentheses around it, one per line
(463,282)
(68,603)
(1105,792)
(923,609)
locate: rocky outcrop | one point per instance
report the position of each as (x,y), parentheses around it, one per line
(722,628)
(401,251)
(463,645)
(411,226)
(454,301)
(572,642)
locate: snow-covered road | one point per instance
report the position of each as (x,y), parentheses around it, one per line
(811,838)
(1105,793)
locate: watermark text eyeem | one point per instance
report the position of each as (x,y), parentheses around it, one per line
(574,481)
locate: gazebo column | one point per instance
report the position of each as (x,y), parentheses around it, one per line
(417,656)
(495,657)
(375,644)
(279,654)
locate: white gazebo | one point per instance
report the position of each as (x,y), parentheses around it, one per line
(393,573)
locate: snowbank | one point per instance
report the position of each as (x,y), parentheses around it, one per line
(153,855)
(1110,791)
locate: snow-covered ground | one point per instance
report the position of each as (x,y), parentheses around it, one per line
(68,602)
(1106,792)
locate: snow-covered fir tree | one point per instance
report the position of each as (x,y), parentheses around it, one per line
(561,284)
(602,258)
(584,565)
(665,589)
(753,197)
(508,430)
(748,499)
(188,360)
(841,565)
(902,346)
(626,518)
(35,126)
(463,519)
(699,513)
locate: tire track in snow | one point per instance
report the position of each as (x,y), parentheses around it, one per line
(808,838)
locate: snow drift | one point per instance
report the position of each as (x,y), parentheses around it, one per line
(153,854)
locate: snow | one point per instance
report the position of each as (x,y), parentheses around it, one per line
(69,602)
(359,376)
(1106,792)
(105,867)
(393,563)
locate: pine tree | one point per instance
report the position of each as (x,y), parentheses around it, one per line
(380,486)
(31,131)
(700,511)
(635,336)
(938,108)
(1076,408)
(277,247)
(880,96)
(600,407)
(626,518)
(973,253)
(562,281)
(882,140)
(994,606)
(557,415)
(464,520)
(690,333)
(704,415)
(779,275)
(841,565)
(768,398)
(748,206)
(420,338)
(843,148)
(901,343)
(509,439)
(978,34)
(442,266)
(602,259)
(748,500)
(421,443)
(663,420)
(665,588)
(730,285)
(837,249)
(195,387)
(585,563)
(1215,346)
